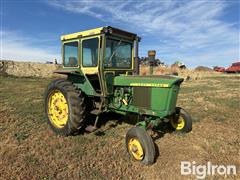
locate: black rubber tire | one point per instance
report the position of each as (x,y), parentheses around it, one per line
(76,105)
(187,120)
(146,142)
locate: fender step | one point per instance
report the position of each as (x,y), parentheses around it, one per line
(95,111)
(91,128)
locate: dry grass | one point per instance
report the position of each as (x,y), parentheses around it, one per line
(30,150)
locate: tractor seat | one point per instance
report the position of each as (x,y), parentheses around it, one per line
(73,61)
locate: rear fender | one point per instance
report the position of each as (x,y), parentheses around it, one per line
(79,80)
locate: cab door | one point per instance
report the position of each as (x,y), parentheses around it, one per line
(90,55)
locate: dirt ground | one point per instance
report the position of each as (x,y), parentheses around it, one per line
(30,150)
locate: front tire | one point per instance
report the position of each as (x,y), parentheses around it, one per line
(181,121)
(64,107)
(140,146)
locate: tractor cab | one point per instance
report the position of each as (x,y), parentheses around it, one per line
(99,55)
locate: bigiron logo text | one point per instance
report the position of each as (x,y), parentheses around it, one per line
(209,169)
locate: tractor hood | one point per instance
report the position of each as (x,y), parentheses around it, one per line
(162,81)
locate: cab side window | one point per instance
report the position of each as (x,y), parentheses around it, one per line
(70,54)
(90,52)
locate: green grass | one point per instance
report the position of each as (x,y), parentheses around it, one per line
(23,95)
(31,160)
(21,136)
(215,97)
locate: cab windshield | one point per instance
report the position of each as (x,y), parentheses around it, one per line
(118,54)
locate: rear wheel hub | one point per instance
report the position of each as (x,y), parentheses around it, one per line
(57,109)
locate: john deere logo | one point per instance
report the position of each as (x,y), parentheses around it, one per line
(149,85)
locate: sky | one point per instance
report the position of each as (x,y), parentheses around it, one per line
(195,32)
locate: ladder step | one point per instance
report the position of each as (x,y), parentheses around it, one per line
(95,111)
(90,128)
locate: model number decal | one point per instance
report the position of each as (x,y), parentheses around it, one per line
(149,85)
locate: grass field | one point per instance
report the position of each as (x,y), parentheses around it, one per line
(30,150)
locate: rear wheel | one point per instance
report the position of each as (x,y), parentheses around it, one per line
(182,121)
(64,107)
(140,146)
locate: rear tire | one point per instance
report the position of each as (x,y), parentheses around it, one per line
(65,107)
(140,146)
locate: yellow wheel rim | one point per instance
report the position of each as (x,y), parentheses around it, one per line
(179,124)
(57,109)
(135,148)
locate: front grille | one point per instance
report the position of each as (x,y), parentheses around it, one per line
(142,97)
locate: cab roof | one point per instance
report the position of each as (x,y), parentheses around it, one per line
(97,31)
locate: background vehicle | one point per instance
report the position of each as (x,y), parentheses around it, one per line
(234,68)
(219,69)
(100,67)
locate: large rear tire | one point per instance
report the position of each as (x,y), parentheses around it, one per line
(65,107)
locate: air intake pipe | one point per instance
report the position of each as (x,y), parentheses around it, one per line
(136,58)
(151,59)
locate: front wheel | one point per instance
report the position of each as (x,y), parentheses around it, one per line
(140,146)
(181,121)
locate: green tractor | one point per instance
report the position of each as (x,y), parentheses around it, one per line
(101,78)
